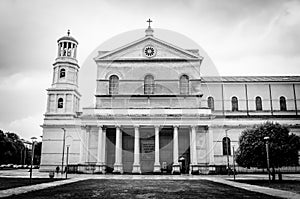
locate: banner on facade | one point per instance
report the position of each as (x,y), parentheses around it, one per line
(147,149)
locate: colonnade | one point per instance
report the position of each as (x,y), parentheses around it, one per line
(118,165)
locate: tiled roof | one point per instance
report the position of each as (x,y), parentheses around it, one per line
(251,79)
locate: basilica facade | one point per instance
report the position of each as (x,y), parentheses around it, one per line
(154,112)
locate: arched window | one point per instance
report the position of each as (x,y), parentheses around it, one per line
(113,85)
(62,73)
(184,84)
(234,104)
(149,85)
(282,102)
(258,103)
(210,103)
(60,103)
(226,146)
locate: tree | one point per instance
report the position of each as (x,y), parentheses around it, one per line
(283,147)
(11,148)
(37,153)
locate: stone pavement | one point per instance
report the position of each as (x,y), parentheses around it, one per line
(260,177)
(215,178)
(255,188)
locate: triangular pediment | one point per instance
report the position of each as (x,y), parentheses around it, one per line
(148,48)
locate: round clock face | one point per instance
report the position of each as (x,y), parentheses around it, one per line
(149,51)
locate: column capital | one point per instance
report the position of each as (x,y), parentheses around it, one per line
(118,126)
(99,125)
(86,127)
(136,126)
(156,126)
(193,126)
(176,126)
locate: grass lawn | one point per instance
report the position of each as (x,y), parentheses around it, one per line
(97,188)
(7,183)
(287,185)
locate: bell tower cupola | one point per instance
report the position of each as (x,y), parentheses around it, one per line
(67,48)
(66,66)
(63,96)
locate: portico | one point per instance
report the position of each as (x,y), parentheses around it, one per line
(154,147)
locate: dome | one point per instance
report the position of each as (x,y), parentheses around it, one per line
(67,37)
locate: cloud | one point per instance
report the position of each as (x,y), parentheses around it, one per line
(249,37)
(23,94)
(25,127)
(282,37)
(16,81)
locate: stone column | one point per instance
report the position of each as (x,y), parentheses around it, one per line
(136,163)
(99,154)
(72,50)
(87,137)
(73,108)
(176,166)
(211,146)
(118,166)
(58,50)
(65,103)
(48,103)
(211,150)
(156,158)
(82,145)
(57,76)
(56,103)
(104,150)
(193,149)
(75,52)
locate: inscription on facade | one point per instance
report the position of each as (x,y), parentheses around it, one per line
(148,149)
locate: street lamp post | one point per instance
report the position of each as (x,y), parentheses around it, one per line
(32,156)
(268,157)
(227,150)
(233,161)
(67,163)
(68,142)
(21,154)
(63,151)
(25,149)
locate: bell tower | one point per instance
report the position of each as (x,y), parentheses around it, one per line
(63,96)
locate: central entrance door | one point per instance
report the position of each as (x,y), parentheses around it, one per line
(147,149)
(127,149)
(184,150)
(166,149)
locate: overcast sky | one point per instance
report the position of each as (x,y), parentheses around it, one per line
(242,37)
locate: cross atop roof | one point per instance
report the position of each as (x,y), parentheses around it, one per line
(149,21)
